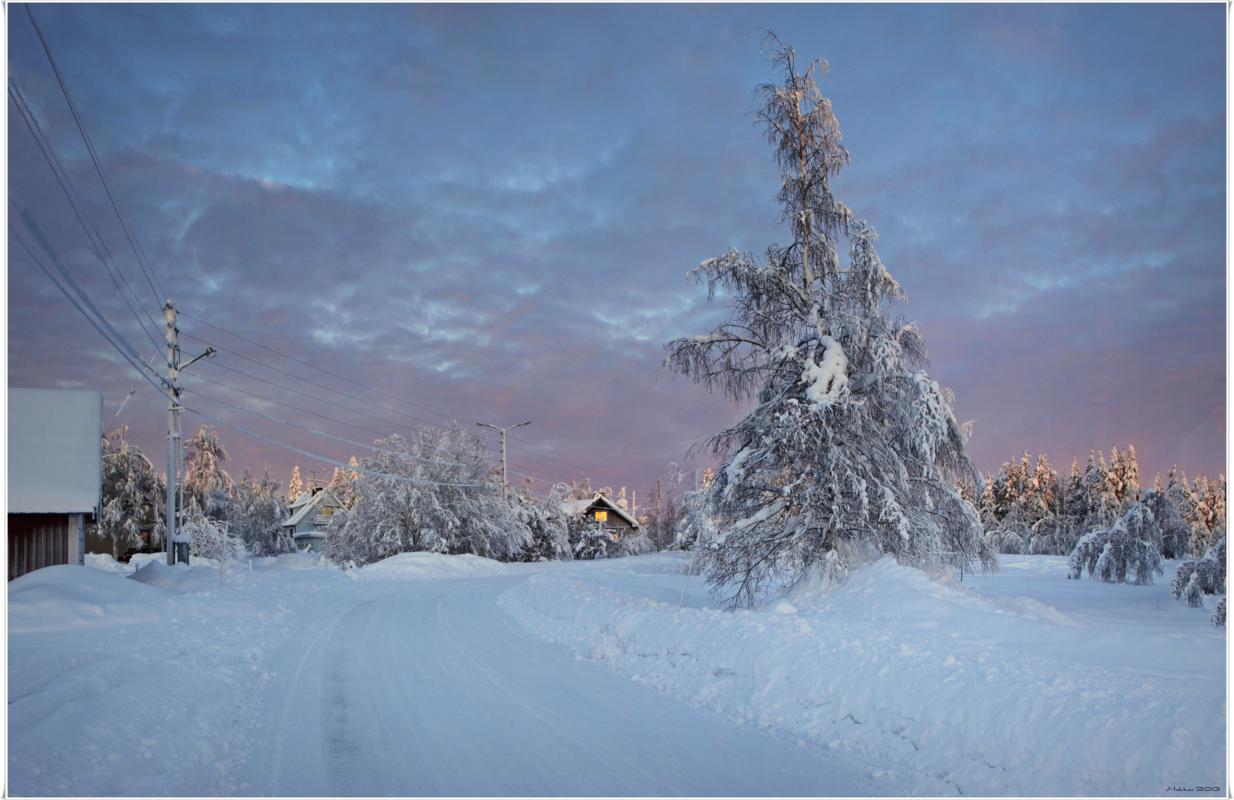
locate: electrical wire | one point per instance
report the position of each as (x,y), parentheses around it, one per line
(138,252)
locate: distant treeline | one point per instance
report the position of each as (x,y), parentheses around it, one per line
(1029,508)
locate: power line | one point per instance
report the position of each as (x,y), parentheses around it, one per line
(139,253)
(74,198)
(311,396)
(41,239)
(328,460)
(314,431)
(318,432)
(560,464)
(96,324)
(291,374)
(101,323)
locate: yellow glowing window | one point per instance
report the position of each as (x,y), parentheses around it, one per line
(601,516)
(327,511)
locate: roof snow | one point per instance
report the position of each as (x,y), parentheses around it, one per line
(573,507)
(307,503)
(55,444)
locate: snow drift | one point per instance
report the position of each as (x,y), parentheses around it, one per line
(960,693)
(406,566)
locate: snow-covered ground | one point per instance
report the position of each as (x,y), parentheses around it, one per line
(443,675)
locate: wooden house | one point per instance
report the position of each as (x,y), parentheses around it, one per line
(55,475)
(601,510)
(309,514)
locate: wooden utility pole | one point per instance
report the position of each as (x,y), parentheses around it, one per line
(505,481)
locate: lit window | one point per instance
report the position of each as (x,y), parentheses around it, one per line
(601,516)
(327,511)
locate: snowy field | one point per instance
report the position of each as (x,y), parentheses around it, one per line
(435,675)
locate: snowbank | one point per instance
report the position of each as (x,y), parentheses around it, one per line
(430,565)
(69,596)
(103,562)
(956,691)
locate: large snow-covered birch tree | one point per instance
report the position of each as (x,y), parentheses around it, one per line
(851,449)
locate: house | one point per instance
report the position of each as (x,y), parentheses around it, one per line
(55,446)
(310,513)
(601,510)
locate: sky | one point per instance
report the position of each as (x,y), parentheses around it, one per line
(487,213)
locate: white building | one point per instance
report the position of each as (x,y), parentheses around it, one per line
(55,445)
(310,514)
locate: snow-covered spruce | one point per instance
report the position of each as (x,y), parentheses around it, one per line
(1122,553)
(850,447)
(132,493)
(1206,575)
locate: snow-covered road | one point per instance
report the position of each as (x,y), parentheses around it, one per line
(428,689)
(454,675)
(352,687)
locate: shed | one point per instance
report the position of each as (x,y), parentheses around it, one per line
(310,513)
(55,445)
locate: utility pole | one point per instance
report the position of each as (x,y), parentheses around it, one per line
(176,551)
(505,483)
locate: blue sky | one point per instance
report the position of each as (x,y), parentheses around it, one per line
(489,211)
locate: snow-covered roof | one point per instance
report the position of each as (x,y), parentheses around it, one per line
(55,444)
(573,507)
(307,503)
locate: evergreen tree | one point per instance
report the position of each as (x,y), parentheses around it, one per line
(850,449)
(132,495)
(295,486)
(205,479)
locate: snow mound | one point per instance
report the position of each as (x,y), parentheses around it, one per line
(103,562)
(293,561)
(199,575)
(69,596)
(429,566)
(931,679)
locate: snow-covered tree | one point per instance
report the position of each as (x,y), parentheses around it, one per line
(544,519)
(132,495)
(205,478)
(258,514)
(210,538)
(850,446)
(436,491)
(634,543)
(1120,553)
(1170,532)
(342,482)
(591,539)
(1206,575)
(295,485)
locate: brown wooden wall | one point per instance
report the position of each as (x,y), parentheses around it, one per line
(36,541)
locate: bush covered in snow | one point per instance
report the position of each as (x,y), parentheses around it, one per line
(210,538)
(546,523)
(592,539)
(1206,575)
(1118,554)
(849,442)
